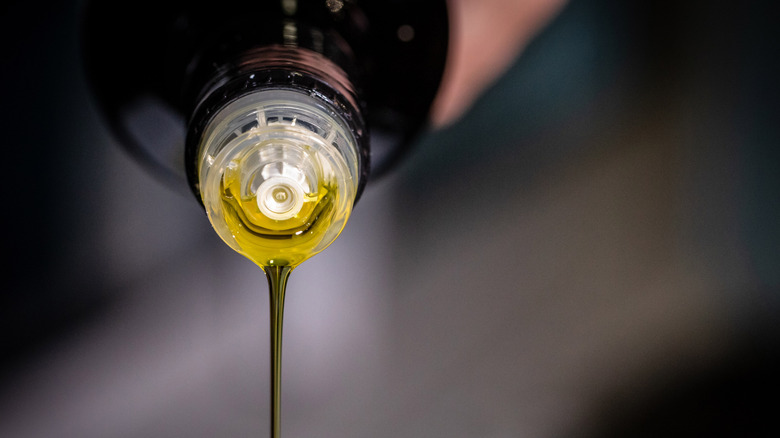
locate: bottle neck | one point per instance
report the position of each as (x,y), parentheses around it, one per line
(277,67)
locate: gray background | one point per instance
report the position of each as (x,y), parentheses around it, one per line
(592,250)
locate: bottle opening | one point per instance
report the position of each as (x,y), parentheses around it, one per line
(278,175)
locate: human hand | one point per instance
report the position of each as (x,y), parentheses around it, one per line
(486,37)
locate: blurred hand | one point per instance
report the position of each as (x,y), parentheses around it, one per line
(486,37)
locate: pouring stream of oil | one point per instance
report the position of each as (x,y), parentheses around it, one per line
(278,246)
(277,285)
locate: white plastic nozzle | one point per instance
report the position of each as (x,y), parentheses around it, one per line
(280,197)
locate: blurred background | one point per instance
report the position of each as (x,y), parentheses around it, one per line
(593,250)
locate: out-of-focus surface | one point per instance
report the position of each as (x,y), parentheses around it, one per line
(592,251)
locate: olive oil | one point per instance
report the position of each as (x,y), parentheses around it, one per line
(277,286)
(274,242)
(279,176)
(277,245)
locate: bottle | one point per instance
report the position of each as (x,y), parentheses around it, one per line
(304,95)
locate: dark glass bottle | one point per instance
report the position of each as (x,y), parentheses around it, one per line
(163,69)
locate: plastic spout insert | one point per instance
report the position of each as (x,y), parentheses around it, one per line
(277,165)
(276,153)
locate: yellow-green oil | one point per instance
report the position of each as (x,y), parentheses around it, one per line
(270,242)
(278,246)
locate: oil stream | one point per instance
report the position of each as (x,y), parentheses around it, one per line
(277,244)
